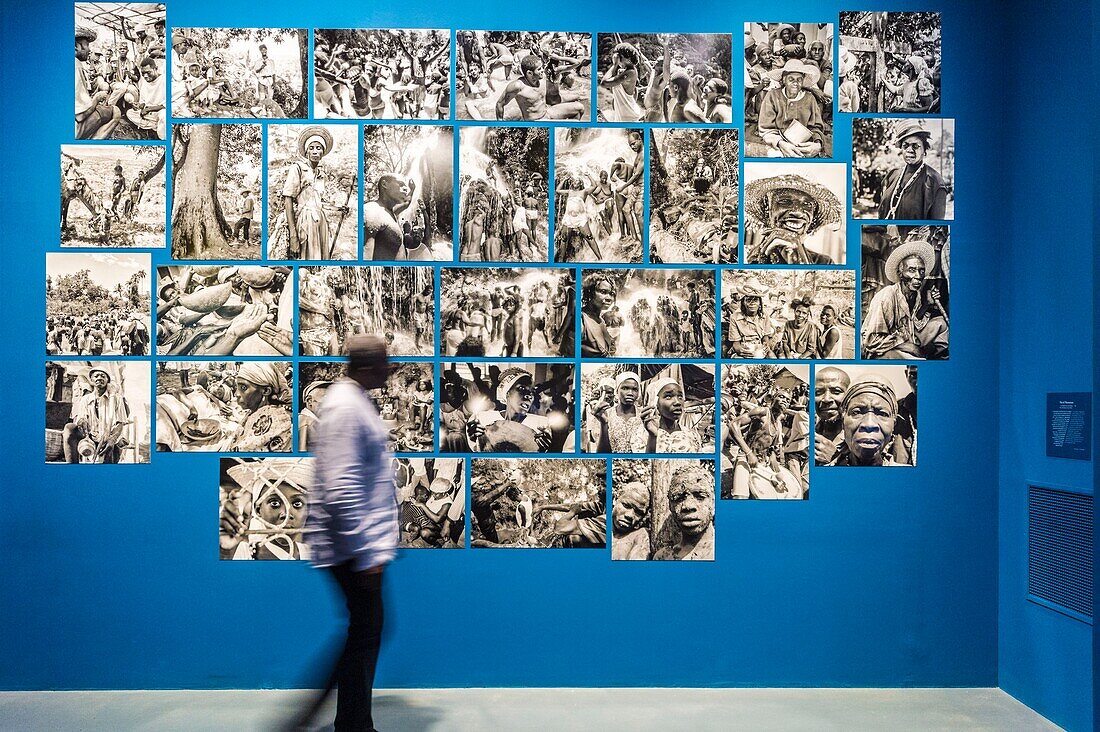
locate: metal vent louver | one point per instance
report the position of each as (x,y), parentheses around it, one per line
(1059,542)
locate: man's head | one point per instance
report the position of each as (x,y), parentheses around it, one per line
(679,83)
(84,36)
(368,361)
(393,190)
(868,412)
(530,68)
(911,377)
(634,139)
(828,315)
(630,508)
(263,50)
(99,379)
(691,500)
(149,70)
(830,384)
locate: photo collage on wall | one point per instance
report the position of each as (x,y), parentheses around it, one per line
(609,294)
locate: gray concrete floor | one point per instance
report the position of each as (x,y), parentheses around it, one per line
(549,710)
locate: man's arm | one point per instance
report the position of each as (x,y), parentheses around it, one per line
(506,96)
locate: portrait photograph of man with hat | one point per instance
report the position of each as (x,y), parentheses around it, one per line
(794,213)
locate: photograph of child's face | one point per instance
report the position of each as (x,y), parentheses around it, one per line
(284,508)
(627,514)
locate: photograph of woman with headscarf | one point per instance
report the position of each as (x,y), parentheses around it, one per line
(875,422)
(264,504)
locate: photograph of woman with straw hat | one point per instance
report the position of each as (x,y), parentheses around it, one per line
(903,169)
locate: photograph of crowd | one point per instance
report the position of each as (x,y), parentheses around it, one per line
(408,192)
(539,503)
(313,184)
(431,498)
(765,431)
(789,90)
(507,312)
(794,213)
(263,505)
(97,304)
(219,406)
(225,310)
(664,77)
(381,74)
(906,294)
(903,169)
(659,313)
(406,403)
(120,67)
(693,196)
(397,303)
(120,189)
(97,412)
(598,195)
(503,196)
(866,415)
(523,75)
(216,188)
(518,407)
(647,408)
(662,509)
(239,72)
(788,314)
(889,62)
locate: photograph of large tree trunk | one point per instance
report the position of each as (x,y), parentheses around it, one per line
(215,191)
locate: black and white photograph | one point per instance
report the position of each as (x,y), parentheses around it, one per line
(240,73)
(599,201)
(431,496)
(120,71)
(664,77)
(97,304)
(538,503)
(406,404)
(97,412)
(889,62)
(408,193)
(662,509)
(224,406)
(225,310)
(789,90)
(903,169)
(788,314)
(397,303)
(765,452)
(906,294)
(503,196)
(381,74)
(794,213)
(263,505)
(866,415)
(113,196)
(508,408)
(651,408)
(527,76)
(216,191)
(507,312)
(656,313)
(693,194)
(313,192)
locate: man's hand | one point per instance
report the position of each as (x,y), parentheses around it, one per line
(542,438)
(248,322)
(824,449)
(277,338)
(294,247)
(651,419)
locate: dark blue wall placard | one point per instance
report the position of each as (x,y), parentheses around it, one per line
(1069,424)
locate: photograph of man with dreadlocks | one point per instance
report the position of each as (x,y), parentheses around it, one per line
(121,196)
(97,412)
(507,408)
(381,74)
(693,196)
(120,71)
(889,62)
(313,179)
(647,408)
(538,503)
(408,193)
(664,77)
(219,406)
(659,313)
(903,169)
(431,496)
(906,292)
(97,304)
(598,195)
(866,415)
(789,90)
(503,197)
(524,76)
(263,503)
(224,310)
(765,443)
(507,312)
(662,509)
(788,314)
(794,213)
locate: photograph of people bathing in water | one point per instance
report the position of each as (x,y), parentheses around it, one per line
(431,498)
(526,76)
